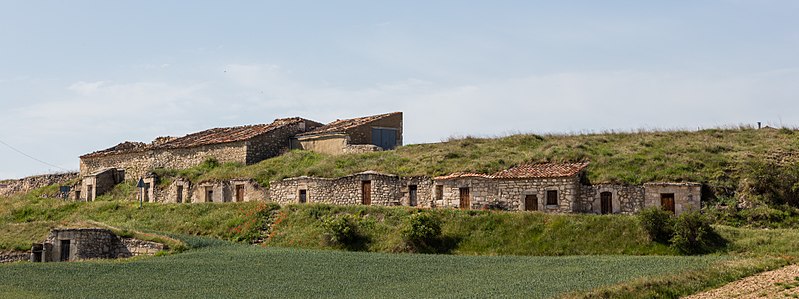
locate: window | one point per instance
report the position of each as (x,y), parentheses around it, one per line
(552,197)
(439,192)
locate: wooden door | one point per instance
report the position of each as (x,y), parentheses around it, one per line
(239,193)
(667,201)
(606,199)
(366,192)
(89,192)
(180,194)
(465,203)
(531,202)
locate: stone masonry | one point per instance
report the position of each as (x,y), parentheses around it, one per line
(73,244)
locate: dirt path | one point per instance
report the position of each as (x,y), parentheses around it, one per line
(780,283)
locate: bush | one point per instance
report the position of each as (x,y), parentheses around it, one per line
(693,234)
(658,223)
(342,230)
(421,232)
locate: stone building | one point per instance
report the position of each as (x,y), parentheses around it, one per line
(364,134)
(367,188)
(674,197)
(71,244)
(532,187)
(245,144)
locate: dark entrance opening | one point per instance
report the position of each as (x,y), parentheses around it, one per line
(180,194)
(303,196)
(531,202)
(89,189)
(64,250)
(667,201)
(606,200)
(412,193)
(465,203)
(209,194)
(366,192)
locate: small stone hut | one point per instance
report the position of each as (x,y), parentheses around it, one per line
(363,134)
(71,244)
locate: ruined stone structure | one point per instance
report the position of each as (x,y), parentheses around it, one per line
(14,256)
(368,188)
(71,244)
(11,187)
(246,145)
(357,135)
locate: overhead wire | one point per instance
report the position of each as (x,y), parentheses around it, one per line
(31,157)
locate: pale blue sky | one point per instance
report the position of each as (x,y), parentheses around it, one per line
(78,76)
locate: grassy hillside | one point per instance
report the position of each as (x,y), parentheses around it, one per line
(719,158)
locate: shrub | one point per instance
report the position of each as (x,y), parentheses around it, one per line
(693,234)
(658,223)
(343,230)
(421,232)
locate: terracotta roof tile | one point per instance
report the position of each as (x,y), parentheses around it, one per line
(459,175)
(207,137)
(346,124)
(545,170)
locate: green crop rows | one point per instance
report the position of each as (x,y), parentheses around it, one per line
(251,271)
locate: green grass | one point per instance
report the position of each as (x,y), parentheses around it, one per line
(233,271)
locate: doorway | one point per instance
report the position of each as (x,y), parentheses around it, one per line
(412,193)
(303,196)
(64,250)
(606,201)
(465,203)
(89,192)
(239,193)
(531,202)
(366,192)
(667,201)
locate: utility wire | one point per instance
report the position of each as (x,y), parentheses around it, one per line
(32,157)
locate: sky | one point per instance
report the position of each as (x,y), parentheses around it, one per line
(80,76)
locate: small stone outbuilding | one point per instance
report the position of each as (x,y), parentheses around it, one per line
(367,188)
(356,135)
(72,244)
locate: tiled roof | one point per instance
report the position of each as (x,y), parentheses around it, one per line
(459,175)
(345,124)
(526,171)
(207,137)
(225,135)
(545,170)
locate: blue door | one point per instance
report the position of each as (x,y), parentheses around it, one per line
(384,138)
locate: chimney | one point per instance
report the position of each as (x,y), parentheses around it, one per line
(758,125)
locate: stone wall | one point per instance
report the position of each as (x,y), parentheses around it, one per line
(625,199)
(91,243)
(136,164)
(508,194)
(687,196)
(385,190)
(275,142)
(220,191)
(25,185)
(14,256)
(331,144)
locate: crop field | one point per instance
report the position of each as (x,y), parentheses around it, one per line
(250,271)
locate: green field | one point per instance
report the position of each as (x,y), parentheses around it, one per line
(252,271)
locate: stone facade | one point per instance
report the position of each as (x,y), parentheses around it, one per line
(683,197)
(89,243)
(477,192)
(98,183)
(625,199)
(369,187)
(256,144)
(25,185)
